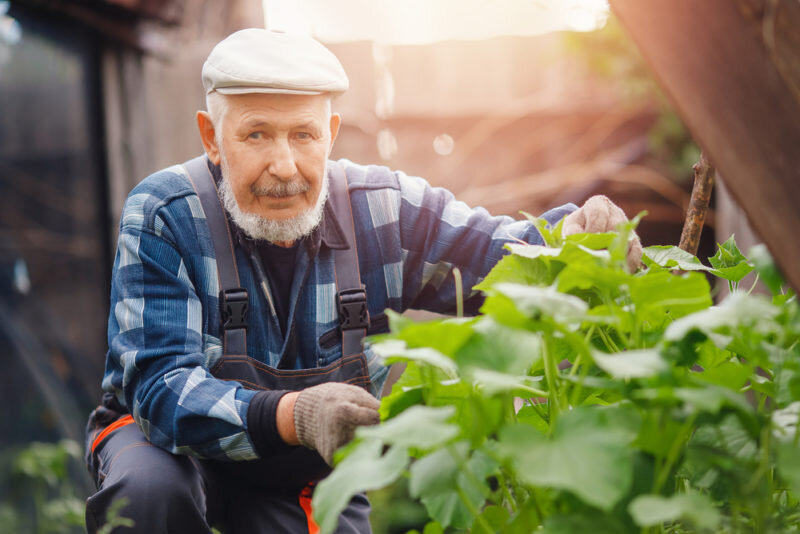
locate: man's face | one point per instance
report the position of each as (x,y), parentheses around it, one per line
(275,148)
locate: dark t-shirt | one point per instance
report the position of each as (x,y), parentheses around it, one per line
(279,265)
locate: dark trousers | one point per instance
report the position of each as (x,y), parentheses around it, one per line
(168,493)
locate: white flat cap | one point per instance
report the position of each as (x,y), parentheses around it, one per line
(264,61)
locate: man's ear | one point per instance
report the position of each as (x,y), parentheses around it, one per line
(208,136)
(336,121)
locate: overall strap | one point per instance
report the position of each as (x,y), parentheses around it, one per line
(351,297)
(233,299)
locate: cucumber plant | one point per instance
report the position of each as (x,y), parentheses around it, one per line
(586,398)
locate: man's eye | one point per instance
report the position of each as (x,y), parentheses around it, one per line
(304,136)
(255,135)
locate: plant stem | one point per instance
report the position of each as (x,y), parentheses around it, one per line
(673,452)
(478,518)
(501,479)
(459,292)
(550,372)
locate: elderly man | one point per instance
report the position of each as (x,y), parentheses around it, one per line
(243,285)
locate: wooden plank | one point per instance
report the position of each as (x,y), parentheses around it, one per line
(730,70)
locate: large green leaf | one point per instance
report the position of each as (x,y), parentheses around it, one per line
(394,350)
(500,348)
(607,280)
(672,257)
(544,301)
(588,453)
(789,464)
(437,472)
(490,382)
(442,335)
(364,469)
(421,427)
(651,510)
(520,270)
(631,364)
(448,507)
(660,296)
(785,422)
(737,310)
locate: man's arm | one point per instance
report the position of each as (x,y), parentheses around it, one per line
(156,353)
(439,233)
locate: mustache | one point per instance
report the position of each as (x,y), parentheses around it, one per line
(280,189)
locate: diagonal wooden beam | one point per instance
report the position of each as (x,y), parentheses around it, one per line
(731,69)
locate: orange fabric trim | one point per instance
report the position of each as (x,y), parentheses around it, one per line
(119,423)
(305,504)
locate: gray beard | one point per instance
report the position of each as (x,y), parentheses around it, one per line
(275,231)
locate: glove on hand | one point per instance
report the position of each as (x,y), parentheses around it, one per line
(597,215)
(326,416)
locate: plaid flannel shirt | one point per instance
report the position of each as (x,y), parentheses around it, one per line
(164,325)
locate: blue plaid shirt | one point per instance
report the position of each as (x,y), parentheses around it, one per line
(164,324)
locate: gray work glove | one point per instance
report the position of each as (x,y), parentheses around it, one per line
(326,416)
(598,215)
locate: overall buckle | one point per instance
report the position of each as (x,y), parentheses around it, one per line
(233,304)
(352,304)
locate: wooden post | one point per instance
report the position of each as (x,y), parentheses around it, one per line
(698,205)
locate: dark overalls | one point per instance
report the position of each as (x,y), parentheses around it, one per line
(175,493)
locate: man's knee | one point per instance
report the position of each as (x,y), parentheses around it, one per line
(155,485)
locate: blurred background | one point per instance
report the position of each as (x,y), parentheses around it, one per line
(514,105)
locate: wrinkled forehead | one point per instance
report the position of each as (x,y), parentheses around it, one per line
(277,107)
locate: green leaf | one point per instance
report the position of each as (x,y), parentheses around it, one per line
(594,241)
(712,399)
(437,472)
(731,374)
(449,508)
(496,517)
(631,364)
(735,311)
(364,469)
(588,453)
(442,335)
(728,255)
(593,277)
(766,268)
(530,415)
(785,422)
(520,270)
(394,350)
(433,528)
(400,400)
(672,257)
(500,348)
(489,382)
(651,510)
(788,464)
(585,522)
(422,427)
(537,301)
(551,235)
(662,295)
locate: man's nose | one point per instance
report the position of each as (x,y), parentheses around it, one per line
(282,164)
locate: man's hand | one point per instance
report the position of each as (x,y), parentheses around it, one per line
(326,416)
(597,215)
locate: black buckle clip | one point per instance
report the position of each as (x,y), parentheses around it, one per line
(233,305)
(353,312)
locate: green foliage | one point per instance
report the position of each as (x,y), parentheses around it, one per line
(40,475)
(645,407)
